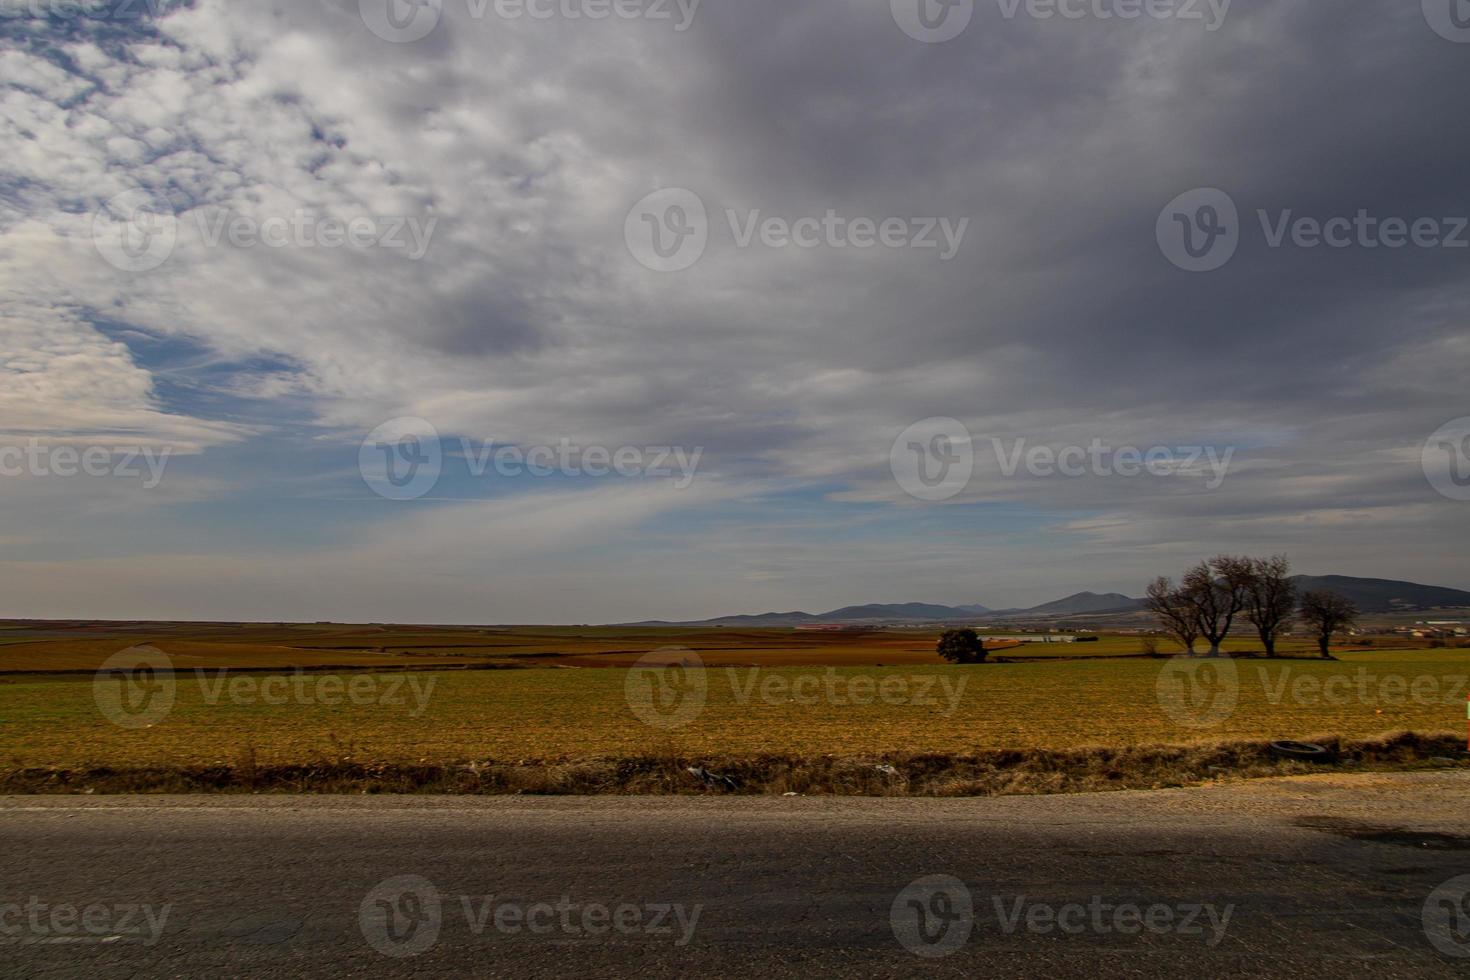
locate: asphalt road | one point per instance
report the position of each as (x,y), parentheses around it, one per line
(1319,876)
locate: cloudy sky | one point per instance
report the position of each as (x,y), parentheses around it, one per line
(256,246)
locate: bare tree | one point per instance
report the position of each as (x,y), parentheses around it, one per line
(1217,591)
(1270,599)
(1326,613)
(1174,611)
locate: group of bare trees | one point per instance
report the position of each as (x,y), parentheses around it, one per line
(1214,594)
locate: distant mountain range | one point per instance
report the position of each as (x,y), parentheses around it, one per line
(915,612)
(924,612)
(1372,595)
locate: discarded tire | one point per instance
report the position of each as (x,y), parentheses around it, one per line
(1303,751)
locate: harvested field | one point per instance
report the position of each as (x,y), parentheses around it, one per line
(52,647)
(547,714)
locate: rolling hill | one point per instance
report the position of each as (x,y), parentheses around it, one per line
(1080,604)
(1379,595)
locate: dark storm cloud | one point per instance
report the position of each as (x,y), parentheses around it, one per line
(1067,138)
